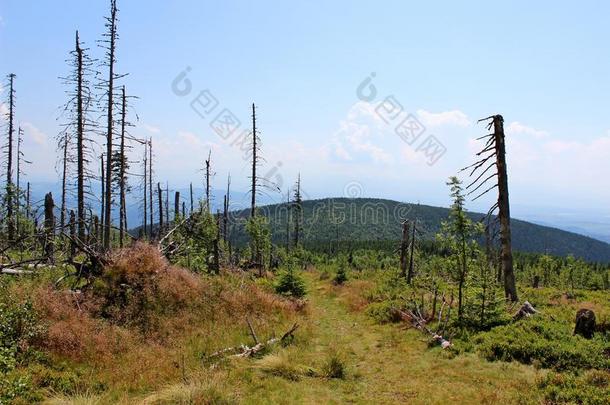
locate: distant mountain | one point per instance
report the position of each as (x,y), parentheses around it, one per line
(366,219)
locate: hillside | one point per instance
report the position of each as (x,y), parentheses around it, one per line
(367,219)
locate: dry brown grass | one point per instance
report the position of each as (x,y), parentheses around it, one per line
(144,323)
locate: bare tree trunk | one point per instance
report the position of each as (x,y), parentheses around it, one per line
(404,248)
(254,161)
(298,212)
(109,134)
(145,222)
(27,202)
(410,274)
(62,213)
(207,181)
(167,205)
(49,228)
(18,189)
(160,193)
(176,206)
(226,210)
(191,192)
(510,289)
(9,161)
(122,185)
(288,220)
(150,187)
(80,149)
(103,208)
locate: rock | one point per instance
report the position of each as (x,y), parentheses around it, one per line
(585,323)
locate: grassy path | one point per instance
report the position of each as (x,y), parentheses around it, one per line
(384,363)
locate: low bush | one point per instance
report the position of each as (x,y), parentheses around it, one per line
(383,312)
(545,343)
(591,387)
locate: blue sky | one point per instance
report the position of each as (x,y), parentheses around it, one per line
(543,65)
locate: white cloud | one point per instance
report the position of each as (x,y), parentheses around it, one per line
(453,117)
(360,134)
(32,132)
(516,128)
(152,129)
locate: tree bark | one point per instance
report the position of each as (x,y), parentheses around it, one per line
(510,289)
(49,228)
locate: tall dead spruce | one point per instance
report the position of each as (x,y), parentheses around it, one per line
(78,125)
(8,151)
(493,155)
(108,86)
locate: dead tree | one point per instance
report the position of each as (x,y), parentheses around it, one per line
(191,195)
(9,159)
(109,46)
(62,212)
(150,187)
(297,205)
(207,180)
(176,206)
(225,216)
(493,155)
(122,171)
(254,163)
(167,204)
(20,172)
(404,248)
(410,274)
(103,196)
(49,228)
(78,107)
(82,63)
(145,188)
(288,213)
(28,206)
(160,197)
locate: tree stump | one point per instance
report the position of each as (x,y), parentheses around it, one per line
(585,323)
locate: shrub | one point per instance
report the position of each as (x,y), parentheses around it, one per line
(592,387)
(547,343)
(290,284)
(341,276)
(140,285)
(383,312)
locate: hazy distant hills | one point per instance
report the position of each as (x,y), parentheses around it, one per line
(368,219)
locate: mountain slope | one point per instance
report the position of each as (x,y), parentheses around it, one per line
(366,219)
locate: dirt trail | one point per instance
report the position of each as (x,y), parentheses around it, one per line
(386,364)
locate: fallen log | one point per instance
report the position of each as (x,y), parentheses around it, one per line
(247,351)
(419,322)
(16,272)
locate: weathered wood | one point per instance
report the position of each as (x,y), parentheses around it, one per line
(525,311)
(247,351)
(585,323)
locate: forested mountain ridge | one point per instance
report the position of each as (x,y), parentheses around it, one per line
(371,219)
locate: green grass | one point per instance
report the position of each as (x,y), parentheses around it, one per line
(339,355)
